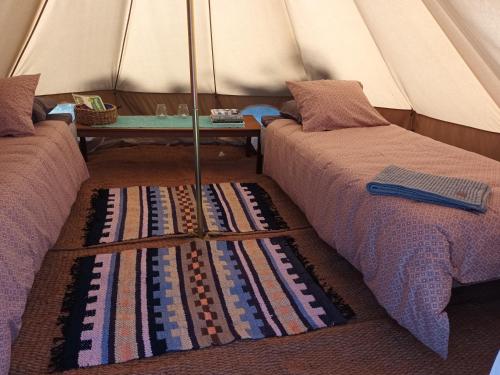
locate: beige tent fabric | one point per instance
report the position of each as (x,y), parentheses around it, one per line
(335,43)
(438,57)
(76,45)
(474,29)
(479,20)
(254,47)
(156,55)
(436,79)
(15,26)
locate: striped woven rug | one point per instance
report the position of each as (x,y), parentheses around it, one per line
(121,214)
(142,303)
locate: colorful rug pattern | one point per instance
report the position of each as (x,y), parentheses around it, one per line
(121,214)
(141,303)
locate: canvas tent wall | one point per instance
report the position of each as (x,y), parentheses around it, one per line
(440,58)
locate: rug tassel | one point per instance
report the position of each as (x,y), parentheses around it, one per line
(96,214)
(346,311)
(266,203)
(57,355)
(71,296)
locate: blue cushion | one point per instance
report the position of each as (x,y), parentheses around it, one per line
(260,110)
(64,108)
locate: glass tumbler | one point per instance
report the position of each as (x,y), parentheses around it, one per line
(183,110)
(161,110)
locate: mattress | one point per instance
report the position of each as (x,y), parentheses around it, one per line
(40,177)
(408,252)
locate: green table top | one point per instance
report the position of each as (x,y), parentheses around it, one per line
(169,122)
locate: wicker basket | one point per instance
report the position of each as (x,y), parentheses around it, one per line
(87,116)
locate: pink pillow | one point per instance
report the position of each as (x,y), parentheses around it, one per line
(16,105)
(329,105)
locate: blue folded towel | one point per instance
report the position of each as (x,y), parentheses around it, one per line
(447,191)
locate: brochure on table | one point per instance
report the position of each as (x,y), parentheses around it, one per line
(226,116)
(91,101)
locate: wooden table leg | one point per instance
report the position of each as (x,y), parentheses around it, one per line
(83,148)
(248,147)
(259,156)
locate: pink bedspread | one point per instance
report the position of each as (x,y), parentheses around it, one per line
(408,252)
(40,176)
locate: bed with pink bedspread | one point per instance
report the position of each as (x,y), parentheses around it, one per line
(40,177)
(408,252)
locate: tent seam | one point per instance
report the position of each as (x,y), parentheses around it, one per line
(393,73)
(292,27)
(123,46)
(28,39)
(212,52)
(459,51)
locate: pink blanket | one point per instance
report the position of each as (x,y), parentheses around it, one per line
(408,252)
(40,176)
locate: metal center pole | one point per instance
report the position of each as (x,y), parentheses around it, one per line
(196,123)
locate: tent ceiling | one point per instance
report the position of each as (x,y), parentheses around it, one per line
(479,20)
(254,47)
(470,33)
(74,48)
(156,56)
(434,75)
(328,51)
(16,23)
(431,55)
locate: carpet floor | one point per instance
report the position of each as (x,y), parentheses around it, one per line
(371,343)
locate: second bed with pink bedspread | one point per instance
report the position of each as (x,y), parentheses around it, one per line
(408,252)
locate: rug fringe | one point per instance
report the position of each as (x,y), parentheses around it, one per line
(71,296)
(346,310)
(266,203)
(95,214)
(56,355)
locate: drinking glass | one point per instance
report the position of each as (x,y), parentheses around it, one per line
(183,110)
(161,110)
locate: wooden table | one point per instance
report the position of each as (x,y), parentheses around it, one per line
(251,129)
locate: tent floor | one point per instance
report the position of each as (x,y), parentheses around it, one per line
(372,343)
